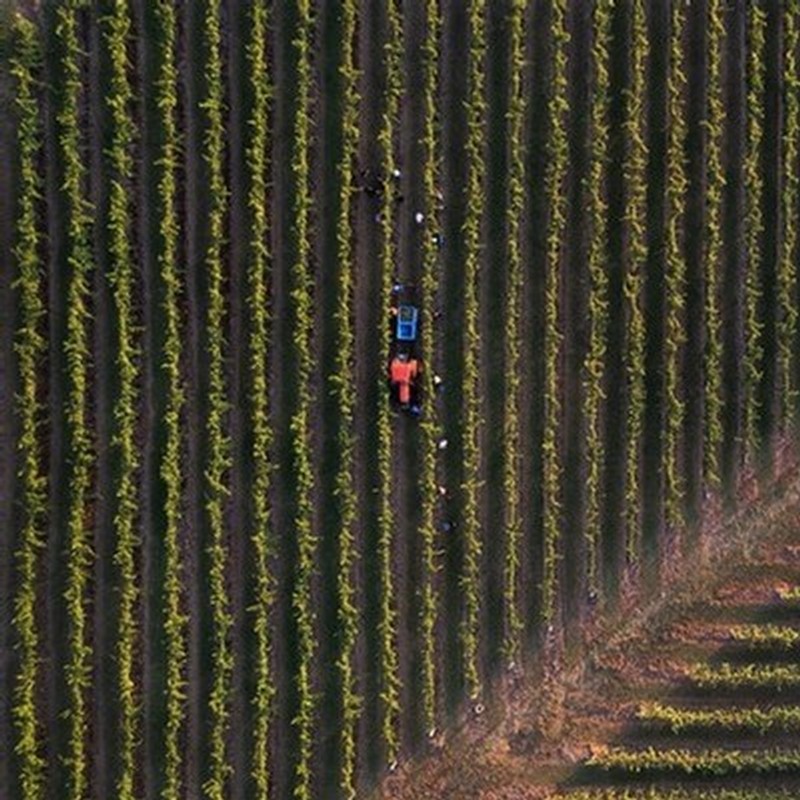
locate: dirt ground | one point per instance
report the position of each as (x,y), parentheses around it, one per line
(532,744)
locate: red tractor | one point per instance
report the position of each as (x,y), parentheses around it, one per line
(404,363)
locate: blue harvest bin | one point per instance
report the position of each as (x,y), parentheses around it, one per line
(406,323)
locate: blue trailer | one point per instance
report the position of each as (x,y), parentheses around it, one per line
(404,359)
(406,328)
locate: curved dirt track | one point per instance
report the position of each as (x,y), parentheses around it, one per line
(532,751)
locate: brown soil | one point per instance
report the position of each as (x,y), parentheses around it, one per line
(492,305)
(326,417)
(193,533)
(280,372)
(410,159)
(103,656)
(153,397)
(533,747)
(448,341)
(368,306)
(55,648)
(532,319)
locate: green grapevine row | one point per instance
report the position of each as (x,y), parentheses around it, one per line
(746,676)
(558,107)
(77,354)
(218,444)
(345,493)
(681,794)
(766,636)
(598,298)
(715,183)
(122,276)
(635,165)
(754,350)
(299,426)
(429,425)
(789,595)
(389,669)
(476,113)
(681,720)
(708,762)
(171,467)
(31,349)
(513,355)
(787,272)
(256,161)
(675,267)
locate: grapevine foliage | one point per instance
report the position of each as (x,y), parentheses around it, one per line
(476,114)
(715,184)
(594,367)
(558,106)
(299,425)
(120,96)
(429,425)
(171,470)
(511,434)
(754,182)
(30,347)
(675,268)
(634,169)
(345,493)
(389,667)
(258,256)
(77,357)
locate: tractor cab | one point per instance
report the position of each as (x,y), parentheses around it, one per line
(405,364)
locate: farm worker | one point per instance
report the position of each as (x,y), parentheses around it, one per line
(403,371)
(371,183)
(437,381)
(442,444)
(419,217)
